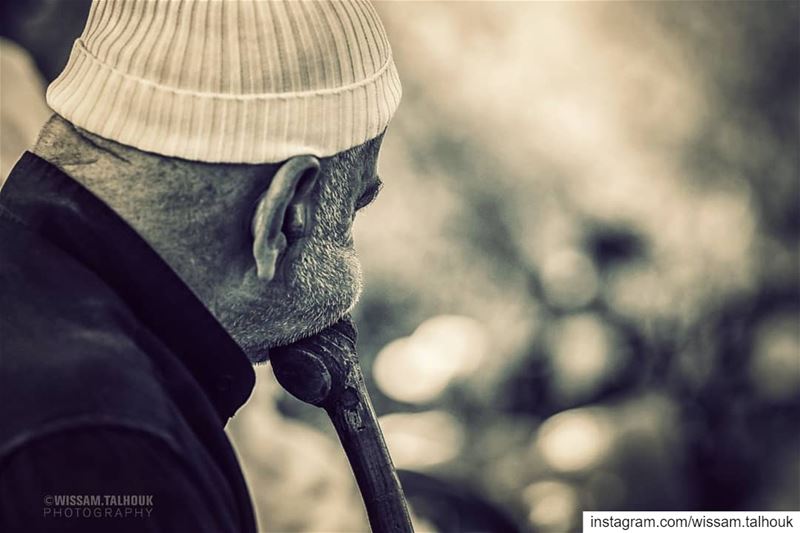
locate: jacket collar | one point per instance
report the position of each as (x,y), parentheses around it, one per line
(61,210)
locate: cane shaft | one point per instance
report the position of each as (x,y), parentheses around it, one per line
(362,440)
(324,370)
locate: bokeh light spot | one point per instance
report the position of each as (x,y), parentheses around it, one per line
(417,369)
(553,505)
(775,367)
(575,440)
(419,440)
(569,279)
(585,352)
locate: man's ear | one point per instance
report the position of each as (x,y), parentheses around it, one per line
(284,214)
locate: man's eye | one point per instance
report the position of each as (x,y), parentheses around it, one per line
(369,195)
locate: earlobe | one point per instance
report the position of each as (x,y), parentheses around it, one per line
(284,213)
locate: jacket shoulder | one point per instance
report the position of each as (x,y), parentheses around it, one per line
(70,350)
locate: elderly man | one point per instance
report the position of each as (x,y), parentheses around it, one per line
(187,208)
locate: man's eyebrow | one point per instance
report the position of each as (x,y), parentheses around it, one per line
(370,193)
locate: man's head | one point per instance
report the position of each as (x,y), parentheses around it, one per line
(241,153)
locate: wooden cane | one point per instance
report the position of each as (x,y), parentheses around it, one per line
(324,370)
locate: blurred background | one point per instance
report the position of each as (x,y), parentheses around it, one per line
(582,277)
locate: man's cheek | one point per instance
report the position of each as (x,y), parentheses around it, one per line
(346,279)
(332,275)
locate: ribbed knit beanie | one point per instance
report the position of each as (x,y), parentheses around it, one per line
(237,81)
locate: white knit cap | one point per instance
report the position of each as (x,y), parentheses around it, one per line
(237,81)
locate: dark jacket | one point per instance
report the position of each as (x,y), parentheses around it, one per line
(115,381)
